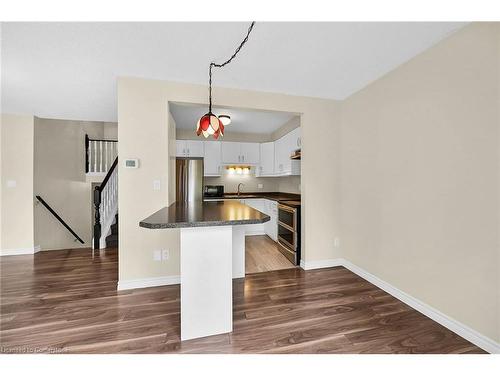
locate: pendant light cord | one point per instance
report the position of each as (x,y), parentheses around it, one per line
(212,64)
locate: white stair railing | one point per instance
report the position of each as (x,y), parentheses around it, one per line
(100,154)
(106,205)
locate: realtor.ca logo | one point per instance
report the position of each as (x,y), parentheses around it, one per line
(31,350)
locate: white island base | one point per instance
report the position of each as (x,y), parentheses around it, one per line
(210,258)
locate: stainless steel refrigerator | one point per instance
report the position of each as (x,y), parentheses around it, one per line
(189,179)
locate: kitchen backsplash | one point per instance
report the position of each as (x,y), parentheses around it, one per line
(288,184)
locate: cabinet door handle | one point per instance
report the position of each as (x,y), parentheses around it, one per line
(243,158)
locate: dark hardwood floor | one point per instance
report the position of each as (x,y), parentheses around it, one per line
(66,302)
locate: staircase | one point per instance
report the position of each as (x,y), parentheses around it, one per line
(106,210)
(112,239)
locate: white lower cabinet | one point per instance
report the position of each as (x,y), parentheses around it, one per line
(268,207)
(271,227)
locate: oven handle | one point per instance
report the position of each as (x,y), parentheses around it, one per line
(287,208)
(286,244)
(287,226)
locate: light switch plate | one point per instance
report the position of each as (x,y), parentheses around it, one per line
(165,254)
(157,255)
(11,183)
(156,185)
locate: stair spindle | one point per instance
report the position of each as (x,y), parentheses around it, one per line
(106,146)
(95,156)
(100,158)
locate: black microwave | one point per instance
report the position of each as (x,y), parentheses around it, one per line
(213,191)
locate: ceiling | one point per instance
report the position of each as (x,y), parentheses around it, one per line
(69,70)
(242,121)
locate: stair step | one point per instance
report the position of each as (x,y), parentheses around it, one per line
(112,240)
(112,243)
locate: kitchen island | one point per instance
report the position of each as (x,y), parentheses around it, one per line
(212,253)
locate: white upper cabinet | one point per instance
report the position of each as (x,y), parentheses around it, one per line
(283,149)
(195,148)
(295,139)
(180,148)
(189,148)
(212,158)
(231,152)
(240,153)
(279,155)
(250,153)
(266,167)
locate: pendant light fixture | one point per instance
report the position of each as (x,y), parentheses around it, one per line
(209,124)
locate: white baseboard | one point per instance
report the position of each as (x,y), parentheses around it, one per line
(460,329)
(255,230)
(315,264)
(20,251)
(148,282)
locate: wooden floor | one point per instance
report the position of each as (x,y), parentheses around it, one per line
(66,302)
(262,254)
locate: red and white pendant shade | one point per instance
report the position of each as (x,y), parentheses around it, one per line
(210,125)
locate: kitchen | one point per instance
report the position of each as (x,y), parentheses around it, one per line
(225,232)
(258,165)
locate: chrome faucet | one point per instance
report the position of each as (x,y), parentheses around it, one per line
(239,186)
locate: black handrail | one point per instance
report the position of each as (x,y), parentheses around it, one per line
(108,175)
(97,204)
(40,199)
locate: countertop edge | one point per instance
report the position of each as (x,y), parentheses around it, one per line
(203,223)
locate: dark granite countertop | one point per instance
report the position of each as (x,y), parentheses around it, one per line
(295,204)
(275,196)
(204,214)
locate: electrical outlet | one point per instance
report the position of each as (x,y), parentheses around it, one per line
(165,254)
(156,185)
(260,186)
(336,242)
(157,255)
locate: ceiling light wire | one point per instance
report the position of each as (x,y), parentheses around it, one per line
(212,65)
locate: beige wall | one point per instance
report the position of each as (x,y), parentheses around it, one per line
(61,181)
(420,178)
(287,127)
(143,133)
(17,165)
(110,130)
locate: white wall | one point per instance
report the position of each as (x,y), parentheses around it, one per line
(17,233)
(420,178)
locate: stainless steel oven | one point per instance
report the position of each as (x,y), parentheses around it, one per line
(289,231)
